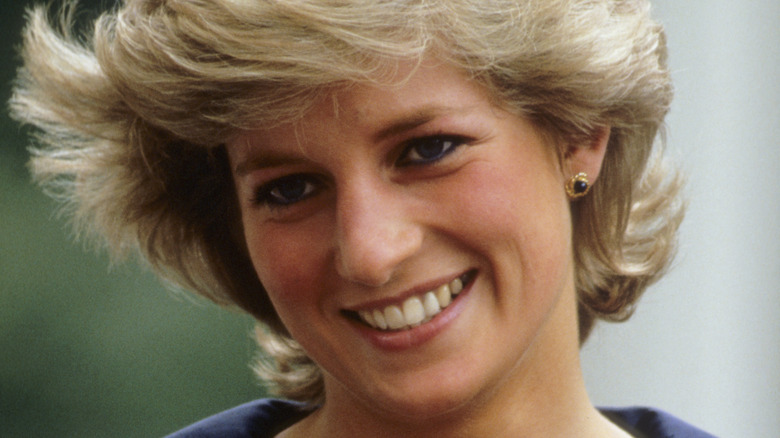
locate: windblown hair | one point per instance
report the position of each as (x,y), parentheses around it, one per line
(133,119)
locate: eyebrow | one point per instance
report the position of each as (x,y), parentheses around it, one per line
(268,159)
(414,120)
(402,124)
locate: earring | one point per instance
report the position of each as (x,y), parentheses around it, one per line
(578,186)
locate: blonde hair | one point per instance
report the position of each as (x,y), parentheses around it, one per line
(133,121)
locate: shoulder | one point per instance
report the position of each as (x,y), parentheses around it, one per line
(260,418)
(652,423)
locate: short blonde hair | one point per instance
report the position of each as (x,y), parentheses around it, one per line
(133,122)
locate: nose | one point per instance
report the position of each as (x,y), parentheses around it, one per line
(375,234)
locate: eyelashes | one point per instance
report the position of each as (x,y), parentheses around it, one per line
(426,150)
(287,190)
(291,189)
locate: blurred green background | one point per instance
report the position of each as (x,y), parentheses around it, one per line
(88,350)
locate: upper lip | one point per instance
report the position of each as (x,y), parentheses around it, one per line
(418,289)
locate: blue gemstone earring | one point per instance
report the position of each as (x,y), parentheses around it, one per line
(578,186)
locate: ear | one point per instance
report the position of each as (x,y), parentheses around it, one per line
(586,157)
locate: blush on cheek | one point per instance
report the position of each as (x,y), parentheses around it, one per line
(492,194)
(287,259)
(525,208)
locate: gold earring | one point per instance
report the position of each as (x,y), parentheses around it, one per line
(578,186)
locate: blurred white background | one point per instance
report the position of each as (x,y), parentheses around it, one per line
(704,343)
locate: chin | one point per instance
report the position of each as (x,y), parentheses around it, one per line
(426,398)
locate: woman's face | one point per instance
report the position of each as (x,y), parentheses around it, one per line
(384,203)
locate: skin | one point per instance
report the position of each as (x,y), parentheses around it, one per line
(389,191)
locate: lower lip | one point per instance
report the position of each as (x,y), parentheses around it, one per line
(410,338)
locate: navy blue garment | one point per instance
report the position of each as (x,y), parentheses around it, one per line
(267,417)
(652,423)
(262,418)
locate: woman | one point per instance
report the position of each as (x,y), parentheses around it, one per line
(425,204)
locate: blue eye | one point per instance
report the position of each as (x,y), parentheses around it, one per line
(429,149)
(286,190)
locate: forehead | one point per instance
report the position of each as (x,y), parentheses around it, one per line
(420,92)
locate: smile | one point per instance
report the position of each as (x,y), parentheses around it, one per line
(417,309)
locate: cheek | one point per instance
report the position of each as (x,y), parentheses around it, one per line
(506,205)
(287,260)
(518,219)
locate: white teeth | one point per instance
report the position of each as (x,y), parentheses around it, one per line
(367,317)
(415,310)
(431,305)
(379,318)
(444,296)
(456,286)
(394,317)
(414,313)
